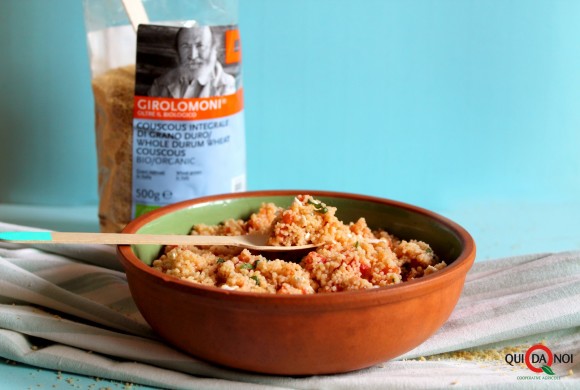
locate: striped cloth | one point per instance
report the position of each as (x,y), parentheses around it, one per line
(70,310)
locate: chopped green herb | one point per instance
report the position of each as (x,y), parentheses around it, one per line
(220,260)
(356,244)
(319,207)
(429,250)
(255,278)
(246,266)
(256,264)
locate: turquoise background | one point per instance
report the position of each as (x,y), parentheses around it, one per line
(428,102)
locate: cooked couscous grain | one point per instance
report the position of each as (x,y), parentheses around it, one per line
(350,256)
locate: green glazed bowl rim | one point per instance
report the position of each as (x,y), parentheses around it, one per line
(405,290)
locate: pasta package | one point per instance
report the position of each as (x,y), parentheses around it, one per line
(168,96)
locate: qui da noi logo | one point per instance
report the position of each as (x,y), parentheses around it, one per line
(539,359)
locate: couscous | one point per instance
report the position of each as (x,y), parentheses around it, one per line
(349,258)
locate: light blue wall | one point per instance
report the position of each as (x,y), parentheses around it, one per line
(429,102)
(47,152)
(426,101)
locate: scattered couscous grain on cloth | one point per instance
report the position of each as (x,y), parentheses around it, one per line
(350,257)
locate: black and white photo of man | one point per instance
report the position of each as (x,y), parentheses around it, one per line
(198,73)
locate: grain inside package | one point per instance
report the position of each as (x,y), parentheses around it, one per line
(114,92)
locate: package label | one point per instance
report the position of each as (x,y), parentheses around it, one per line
(188,118)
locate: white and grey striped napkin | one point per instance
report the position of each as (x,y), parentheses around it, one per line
(70,310)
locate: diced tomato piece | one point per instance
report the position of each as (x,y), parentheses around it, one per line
(301,198)
(287,217)
(313,258)
(365,271)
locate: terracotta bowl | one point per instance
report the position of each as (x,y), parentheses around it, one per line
(298,334)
